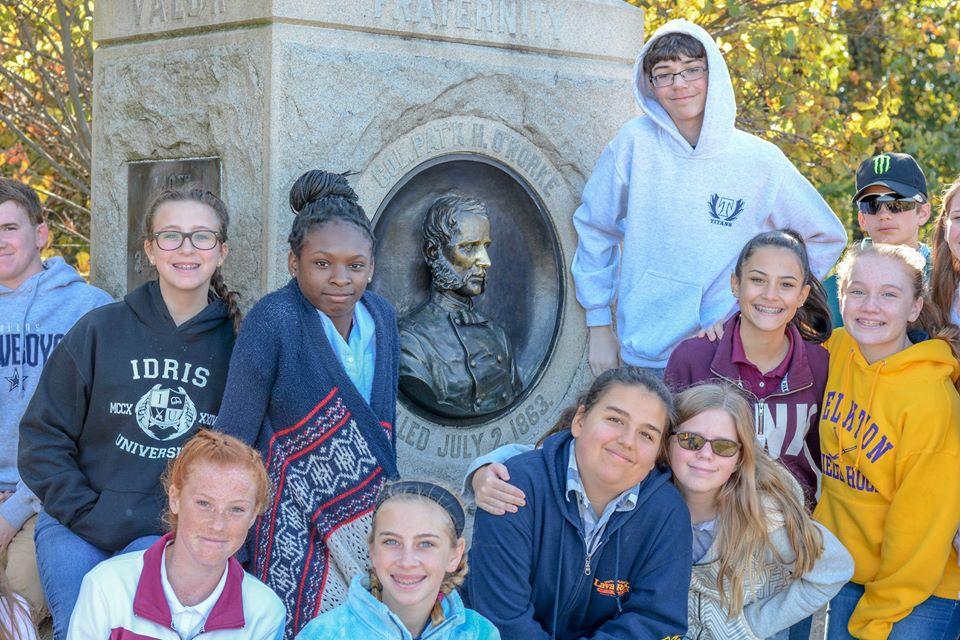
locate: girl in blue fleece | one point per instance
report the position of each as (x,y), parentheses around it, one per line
(417,558)
(603,547)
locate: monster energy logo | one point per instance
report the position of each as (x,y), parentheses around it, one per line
(881,164)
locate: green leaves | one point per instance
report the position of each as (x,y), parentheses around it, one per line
(835,81)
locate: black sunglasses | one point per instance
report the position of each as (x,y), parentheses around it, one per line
(894,204)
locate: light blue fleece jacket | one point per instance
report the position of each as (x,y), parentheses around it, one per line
(33,319)
(363,616)
(661,222)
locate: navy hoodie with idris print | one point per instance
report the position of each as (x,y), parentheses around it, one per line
(528,571)
(121,393)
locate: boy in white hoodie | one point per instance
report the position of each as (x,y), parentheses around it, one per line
(672,200)
(39,301)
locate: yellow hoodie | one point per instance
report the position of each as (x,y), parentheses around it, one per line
(890,442)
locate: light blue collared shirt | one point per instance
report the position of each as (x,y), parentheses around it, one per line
(593,526)
(358,355)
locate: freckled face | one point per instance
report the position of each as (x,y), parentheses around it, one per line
(877,303)
(215,507)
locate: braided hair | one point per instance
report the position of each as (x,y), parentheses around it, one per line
(319,197)
(197,193)
(453,579)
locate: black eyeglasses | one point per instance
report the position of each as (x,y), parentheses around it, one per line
(694,442)
(666,79)
(894,204)
(201,239)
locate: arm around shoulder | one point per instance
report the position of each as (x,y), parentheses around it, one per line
(498,585)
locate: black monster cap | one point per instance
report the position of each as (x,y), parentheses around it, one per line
(899,172)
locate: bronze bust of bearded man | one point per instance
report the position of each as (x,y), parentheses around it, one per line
(455,362)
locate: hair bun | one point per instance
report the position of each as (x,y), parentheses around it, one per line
(316,184)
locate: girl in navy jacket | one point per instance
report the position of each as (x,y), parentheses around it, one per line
(603,547)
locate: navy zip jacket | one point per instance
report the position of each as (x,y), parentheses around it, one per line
(528,569)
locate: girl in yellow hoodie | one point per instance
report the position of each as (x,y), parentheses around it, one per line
(890,437)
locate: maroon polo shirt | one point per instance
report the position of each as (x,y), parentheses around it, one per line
(760,384)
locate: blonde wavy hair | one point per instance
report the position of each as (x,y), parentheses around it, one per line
(452,580)
(758,484)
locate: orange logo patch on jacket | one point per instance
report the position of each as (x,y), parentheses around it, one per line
(611,587)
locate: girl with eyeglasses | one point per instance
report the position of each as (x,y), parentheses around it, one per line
(890,436)
(126,387)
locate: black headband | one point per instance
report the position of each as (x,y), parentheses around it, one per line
(434,492)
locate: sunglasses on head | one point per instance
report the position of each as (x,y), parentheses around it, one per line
(694,442)
(870,205)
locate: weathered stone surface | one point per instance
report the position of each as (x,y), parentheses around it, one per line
(276,88)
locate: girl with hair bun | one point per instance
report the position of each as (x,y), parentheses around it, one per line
(313,383)
(418,559)
(127,386)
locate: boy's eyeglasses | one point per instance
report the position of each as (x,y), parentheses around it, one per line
(202,239)
(694,442)
(894,204)
(689,75)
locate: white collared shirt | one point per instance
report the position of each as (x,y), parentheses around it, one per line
(188,621)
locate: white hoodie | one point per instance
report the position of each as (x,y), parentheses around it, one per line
(662,222)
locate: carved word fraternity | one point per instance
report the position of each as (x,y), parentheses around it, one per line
(160,12)
(536,19)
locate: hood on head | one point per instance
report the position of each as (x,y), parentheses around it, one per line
(720,112)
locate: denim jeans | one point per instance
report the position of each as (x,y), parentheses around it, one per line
(933,619)
(63,558)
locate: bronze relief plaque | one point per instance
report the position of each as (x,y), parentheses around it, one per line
(471,259)
(145,179)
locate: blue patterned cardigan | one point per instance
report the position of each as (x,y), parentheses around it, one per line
(327,451)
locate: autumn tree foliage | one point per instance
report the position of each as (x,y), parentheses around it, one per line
(46,79)
(830,81)
(835,81)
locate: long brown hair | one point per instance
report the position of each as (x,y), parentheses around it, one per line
(198,194)
(758,484)
(945,278)
(14,611)
(931,319)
